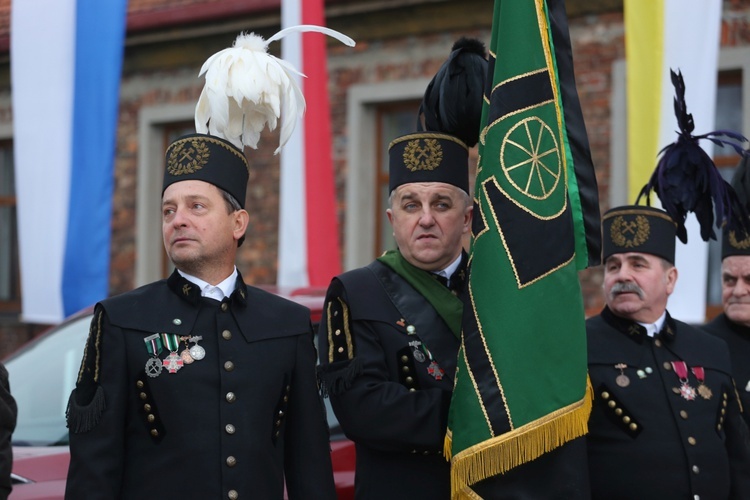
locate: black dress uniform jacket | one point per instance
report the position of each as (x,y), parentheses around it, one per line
(645,440)
(737,338)
(382,390)
(231,425)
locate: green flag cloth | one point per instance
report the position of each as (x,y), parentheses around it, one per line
(521,387)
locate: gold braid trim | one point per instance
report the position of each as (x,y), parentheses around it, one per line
(524,444)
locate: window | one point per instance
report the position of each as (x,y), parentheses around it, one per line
(394,120)
(10,289)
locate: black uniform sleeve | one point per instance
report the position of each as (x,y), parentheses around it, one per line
(372,408)
(738,449)
(8,414)
(96,415)
(307,458)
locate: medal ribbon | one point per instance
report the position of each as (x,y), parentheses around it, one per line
(153,344)
(699,373)
(171,340)
(680,368)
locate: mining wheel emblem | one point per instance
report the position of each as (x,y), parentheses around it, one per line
(530,158)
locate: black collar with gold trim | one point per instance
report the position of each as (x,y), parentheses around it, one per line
(636,332)
(189,291)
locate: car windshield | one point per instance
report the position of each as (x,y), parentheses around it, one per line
(41,378)
(43,374)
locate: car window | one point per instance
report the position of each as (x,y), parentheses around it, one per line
(41,377)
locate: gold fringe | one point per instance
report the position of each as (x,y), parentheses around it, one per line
(448,445)
(502,453)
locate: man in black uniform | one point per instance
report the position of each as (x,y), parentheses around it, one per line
(390,333)
(733,325)
(199,386)
(665,422)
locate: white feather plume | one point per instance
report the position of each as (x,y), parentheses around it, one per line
(248,89)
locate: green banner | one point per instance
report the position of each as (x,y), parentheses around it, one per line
(521,385)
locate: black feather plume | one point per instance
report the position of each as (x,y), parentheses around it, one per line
(452,103)
(686,179)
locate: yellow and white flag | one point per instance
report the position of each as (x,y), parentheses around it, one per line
(682,35)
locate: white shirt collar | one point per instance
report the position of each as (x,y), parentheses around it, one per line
(217,292)
(448,271)
(654,328)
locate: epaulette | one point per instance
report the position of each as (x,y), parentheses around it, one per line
(87,403)
(341,366)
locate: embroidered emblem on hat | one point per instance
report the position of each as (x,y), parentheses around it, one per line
(424,154)
(187,157)
(630,233)
(742,244)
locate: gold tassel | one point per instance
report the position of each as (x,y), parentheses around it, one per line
(448,445)
(502,453)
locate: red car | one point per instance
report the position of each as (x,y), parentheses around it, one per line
(44,371)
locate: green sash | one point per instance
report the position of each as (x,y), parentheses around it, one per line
(447,305)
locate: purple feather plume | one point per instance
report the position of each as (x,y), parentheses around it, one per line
(686,179)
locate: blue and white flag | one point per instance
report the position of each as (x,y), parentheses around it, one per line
(66,61)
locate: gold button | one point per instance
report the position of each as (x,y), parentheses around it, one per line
(618,411)
(611,404)
(633,427)
(224,306)
(404,358)
(718,427)
(154,432)
(226,334)
(150,417)
(412,389)
(691,440)
(405,369)
(725,395)
(667,365)
(340,349)
(723,411)
(724,403)
(676,390)
(337,332)
(229,366)
(605,395)
(139,384)
(409,380)
(288,388)
(143,396)
(229,428)
(277,433)
(683,414)
(657,343)
(281,413)
(695,469)
(626,419)
(233,495)
(286,399)
(231,397)
(231,461)
(278,423)
(147,407)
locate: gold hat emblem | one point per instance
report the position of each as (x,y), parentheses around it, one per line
(423,157)
(742,244)
(630,233)
(187,158)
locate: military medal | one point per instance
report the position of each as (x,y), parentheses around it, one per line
(185,353)
(622,380)
(173,362)
(197,351)
(154,347)
(435,370)
(416,350)
(703,389)
(686,390)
